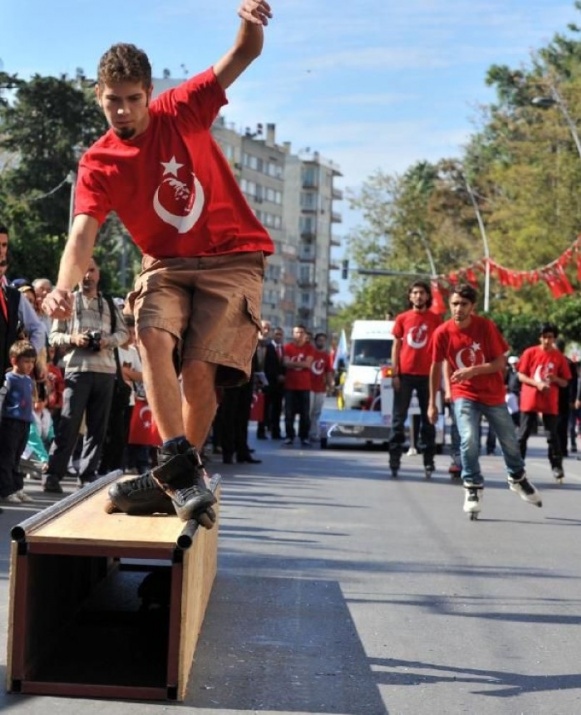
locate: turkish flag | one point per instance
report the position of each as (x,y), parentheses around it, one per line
(438,306)
(257,407)
(142,428)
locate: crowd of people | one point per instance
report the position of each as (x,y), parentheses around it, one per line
(84,409)
(288,386)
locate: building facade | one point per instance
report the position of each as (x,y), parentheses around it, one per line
(295,198)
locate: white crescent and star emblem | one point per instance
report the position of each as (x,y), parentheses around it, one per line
(417,336)
(471,354)
(318,367)
(179,192)
(146,421)
(542,371)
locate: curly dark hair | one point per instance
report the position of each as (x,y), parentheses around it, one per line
(124,63)
(426,286)
(466,291)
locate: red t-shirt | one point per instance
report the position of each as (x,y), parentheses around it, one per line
(415,330)
(297,378)
(479,343)
(171,186)
(320,368)
(539,364)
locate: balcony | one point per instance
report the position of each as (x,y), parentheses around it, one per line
(309,236)
(336,194)
(310,184)
(305,313)
(333,287)
(336,217)
(306,283)
(307,256)
(336,241)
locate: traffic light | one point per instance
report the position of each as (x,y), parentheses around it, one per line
(345,269)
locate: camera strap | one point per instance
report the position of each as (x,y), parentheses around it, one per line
(79,309)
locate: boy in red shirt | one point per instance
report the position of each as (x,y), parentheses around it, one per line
(322,381)
(200,290)
(298,358)
(542,369)
(475,351)
(411,359)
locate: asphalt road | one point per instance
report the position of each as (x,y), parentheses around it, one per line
(341,591)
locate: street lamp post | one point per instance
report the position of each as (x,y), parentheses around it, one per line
(556,100)
(72,180)
(426,246)
(484,244)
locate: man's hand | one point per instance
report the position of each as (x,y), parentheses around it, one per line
(58,304)
(81,340)
(433,414)
(464,373)
(257,12)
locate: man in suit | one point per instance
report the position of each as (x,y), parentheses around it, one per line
(16,315)
(274,370)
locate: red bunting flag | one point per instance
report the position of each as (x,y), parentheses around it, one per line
(438,305)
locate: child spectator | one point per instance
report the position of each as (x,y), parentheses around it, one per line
(16,419)
(40,439)
(55,385)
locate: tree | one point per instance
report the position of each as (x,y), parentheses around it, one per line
(45,128)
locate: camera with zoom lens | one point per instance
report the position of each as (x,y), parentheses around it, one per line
(94,343)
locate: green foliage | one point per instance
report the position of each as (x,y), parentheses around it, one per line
(519,331)
(566,315)
(41,134)
(524,167)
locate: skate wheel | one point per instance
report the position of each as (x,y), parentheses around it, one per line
(428,474)
(473,516)
(394,473)
(212,514)
(204,519)
(110,507)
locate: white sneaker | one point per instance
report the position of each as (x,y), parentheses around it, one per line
(526,491)
(11,499)
(23,496)
(473,501)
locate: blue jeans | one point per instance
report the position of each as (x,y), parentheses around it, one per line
(468,414)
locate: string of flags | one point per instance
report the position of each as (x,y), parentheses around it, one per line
(553,274)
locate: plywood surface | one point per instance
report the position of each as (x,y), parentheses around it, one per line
(89,523)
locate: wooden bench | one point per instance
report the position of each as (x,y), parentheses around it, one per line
(107,605)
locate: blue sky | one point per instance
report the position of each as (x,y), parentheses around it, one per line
(369,84)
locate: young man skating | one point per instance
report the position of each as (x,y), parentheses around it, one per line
(475,351)
(542,370)
(411,358)
(199,293)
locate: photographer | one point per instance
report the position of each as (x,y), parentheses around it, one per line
(89,337)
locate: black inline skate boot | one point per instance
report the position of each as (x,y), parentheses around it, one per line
(180,474)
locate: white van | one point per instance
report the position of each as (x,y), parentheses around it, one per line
(371,344)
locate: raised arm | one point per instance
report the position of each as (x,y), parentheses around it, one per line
(74,263)
(255,15)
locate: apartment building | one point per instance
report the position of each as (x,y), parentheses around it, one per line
(294,196)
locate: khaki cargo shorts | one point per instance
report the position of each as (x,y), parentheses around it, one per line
(211,304)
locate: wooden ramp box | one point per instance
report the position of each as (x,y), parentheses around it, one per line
(107,605)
